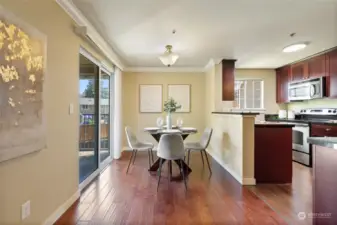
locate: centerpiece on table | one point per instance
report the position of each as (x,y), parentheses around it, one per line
(170,106)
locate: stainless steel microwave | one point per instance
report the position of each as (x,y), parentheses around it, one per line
(306,89)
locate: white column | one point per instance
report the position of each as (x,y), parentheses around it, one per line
(118,120)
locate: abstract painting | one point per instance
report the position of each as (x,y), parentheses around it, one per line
(22,72)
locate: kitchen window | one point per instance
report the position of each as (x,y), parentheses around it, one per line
(249,94)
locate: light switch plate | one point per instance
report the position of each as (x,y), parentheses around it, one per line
(25,210)
(71,108)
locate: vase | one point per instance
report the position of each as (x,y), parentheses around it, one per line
(168,121)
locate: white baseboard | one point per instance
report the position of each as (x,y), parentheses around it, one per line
(241,180)
(62,209)
(249,181)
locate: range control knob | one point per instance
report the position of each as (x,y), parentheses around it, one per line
(329,111)
(335,111)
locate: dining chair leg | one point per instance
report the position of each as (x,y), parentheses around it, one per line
(152,155)
(188,157)
(209,167)
(134,157)
(202,158)
(127,170)
(159,171)
(183,173)
(148,154)
(169,165)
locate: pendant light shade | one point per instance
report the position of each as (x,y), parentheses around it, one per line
(169,57)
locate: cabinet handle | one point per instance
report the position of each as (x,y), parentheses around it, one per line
(327,129)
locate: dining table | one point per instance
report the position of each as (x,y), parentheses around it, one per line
(156,133)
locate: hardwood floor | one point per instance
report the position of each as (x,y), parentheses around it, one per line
(119,198)
(289,199)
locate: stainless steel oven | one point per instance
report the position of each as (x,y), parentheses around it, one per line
(301,148)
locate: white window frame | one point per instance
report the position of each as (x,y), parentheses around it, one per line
(245,95)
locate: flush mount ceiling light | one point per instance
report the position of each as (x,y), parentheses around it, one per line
(295,47)
(169,57)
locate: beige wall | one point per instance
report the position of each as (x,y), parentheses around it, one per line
(232,145)
(49,177)
(132,117)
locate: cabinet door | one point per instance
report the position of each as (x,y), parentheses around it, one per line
(282,80)
(299,71)
(332,72)
(317,66)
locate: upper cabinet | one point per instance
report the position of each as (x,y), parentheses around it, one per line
(317,66)
(299,71)
(228,66)
(331,64)
(282,80)
(323,65)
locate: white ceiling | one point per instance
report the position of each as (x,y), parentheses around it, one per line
(252,31)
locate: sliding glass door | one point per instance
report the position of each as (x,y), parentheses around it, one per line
(95,129)
(88,99)
(104,151)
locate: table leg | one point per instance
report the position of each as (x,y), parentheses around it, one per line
(155,165)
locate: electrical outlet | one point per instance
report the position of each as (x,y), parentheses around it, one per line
(25,210)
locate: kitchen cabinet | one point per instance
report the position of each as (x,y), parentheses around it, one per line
(228,66)
(317,66)
(331,64)
(322,130)
(300,71)
(282,80)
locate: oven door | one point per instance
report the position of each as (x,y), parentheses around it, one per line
(300,135)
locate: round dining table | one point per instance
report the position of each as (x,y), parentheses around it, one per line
(156,134)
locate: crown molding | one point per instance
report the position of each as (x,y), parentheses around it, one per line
(165,69)
(91,32)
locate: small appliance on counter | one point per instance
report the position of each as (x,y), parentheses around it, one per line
(291,115)
(282,114)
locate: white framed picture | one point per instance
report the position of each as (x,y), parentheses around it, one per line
(182,94)
(150,98)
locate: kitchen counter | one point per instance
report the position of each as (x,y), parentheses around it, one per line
(328,142)
(238,113)
(272,151)
(273,124)
(302,121)
(324,179)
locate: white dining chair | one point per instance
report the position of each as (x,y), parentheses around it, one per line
(171,147)
(136,145)
(200,146)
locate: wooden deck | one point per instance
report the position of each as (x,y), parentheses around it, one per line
(119,198)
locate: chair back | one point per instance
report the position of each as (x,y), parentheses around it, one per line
(206,137)
(171,147)
(131,137)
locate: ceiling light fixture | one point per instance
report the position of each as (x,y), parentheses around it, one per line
(169,57)
(295,47)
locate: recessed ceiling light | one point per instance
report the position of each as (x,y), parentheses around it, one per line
(295,47)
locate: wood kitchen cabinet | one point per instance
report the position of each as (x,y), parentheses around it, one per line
(300,71)
(282,80)
(323,130)
(317,66)
(331,64)
(228,66)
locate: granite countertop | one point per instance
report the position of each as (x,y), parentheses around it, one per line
(303,121)
(273,124)
(238,113)
(329,142)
